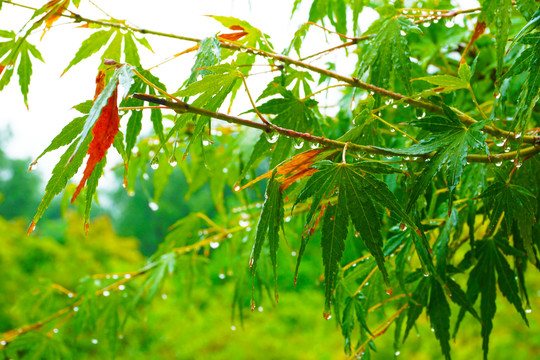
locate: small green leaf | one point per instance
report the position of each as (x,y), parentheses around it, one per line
(66,136)
(464,72)
(134,127)
(90,46)
(447,82)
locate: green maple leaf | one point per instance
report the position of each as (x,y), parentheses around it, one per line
(451,142)
(388,54)
(353,193)
(491,269)
(528,62)
(513,203)
(16,53)
(290,112)
(496,13)
(212,90)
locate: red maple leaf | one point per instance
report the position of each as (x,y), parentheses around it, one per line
(104,131)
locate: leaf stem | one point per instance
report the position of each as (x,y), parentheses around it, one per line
(476,103)
(322,90)
(253,103)
(394,127)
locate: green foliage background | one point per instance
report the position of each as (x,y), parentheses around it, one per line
(418,194)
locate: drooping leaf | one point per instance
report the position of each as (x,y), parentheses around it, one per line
(16,52)
(439,315)
(270,220)
(334,233)
(360,191)
(123,75)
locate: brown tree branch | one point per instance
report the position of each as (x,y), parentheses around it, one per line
(180,107)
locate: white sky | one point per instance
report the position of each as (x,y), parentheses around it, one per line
(51,97)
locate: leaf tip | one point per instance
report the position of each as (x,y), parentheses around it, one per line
(31,227)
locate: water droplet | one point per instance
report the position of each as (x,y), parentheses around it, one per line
(299,145)
(432,329)
(426,275)
(389,157)
(314,145)
(233,328)
(75,309)
(243,223)
(528,311)
(287,219)
(392,130)
(327,316)
(71,295)
(121,287)
(221,276)
(173,162)
(206,142)
(498,163)
(519,164)
(225,170)
(214,245)
(127,276)
(272,138)
(403,33)
(94,341)
(153,206)
(397,353)
(293,253)
(131,193)
(164,296)
(260,308)
(517,136)
(135,150)
(155,164)
(145,176)
(3,343)
(55,331)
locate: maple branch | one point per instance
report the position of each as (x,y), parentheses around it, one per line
(180,107)
(465,119)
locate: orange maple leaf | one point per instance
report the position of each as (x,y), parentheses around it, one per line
(479,29)
(57,7)
(104,132)
(294,169)
(235,36)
